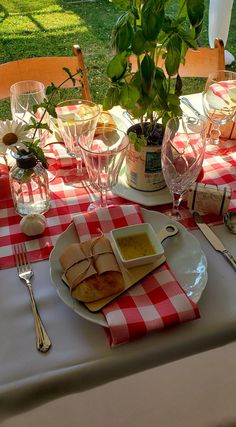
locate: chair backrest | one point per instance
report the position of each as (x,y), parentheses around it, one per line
(46,70)
(205,60)
(198,63)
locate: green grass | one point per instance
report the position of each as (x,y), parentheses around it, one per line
(44,28)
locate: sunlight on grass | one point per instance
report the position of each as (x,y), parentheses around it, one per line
(26,6)
(41,22)
(60,21)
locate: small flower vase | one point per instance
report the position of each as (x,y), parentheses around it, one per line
(29,185)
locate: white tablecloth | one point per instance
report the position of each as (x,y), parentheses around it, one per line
(80,357)
(198,391)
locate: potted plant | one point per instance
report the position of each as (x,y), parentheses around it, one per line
(146,31)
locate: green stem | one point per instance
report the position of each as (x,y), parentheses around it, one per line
(49,101)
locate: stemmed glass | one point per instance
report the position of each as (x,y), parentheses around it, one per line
(182,156)
(103,158)
(77,120)
(219,103)
(24,96)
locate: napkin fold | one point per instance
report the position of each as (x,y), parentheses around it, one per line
(58,158)
(156,302)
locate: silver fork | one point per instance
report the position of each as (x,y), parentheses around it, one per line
(25,273)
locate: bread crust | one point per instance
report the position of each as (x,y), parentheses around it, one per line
(91,279)
(98,287)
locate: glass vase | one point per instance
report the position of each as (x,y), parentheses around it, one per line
(29,186)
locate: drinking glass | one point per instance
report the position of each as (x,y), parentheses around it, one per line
(182,155)
(103,158)
(77,120)
(219,103)
(24,95)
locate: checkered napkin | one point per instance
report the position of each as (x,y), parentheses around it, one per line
(58,158)
(156,302)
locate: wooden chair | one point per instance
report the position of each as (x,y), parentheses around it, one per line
(198,63)
(45,70)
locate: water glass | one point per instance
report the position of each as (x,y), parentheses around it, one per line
(24,95)
(103,159)
(219,103)
(77,121)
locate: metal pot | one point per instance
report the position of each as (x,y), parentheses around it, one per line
(143,168)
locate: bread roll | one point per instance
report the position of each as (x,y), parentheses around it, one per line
(106,122)
(91,270)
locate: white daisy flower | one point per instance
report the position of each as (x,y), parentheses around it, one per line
(12,134)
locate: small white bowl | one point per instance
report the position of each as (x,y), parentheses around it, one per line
(130,233)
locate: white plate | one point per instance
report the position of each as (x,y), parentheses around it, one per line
(183,253)
(145,198)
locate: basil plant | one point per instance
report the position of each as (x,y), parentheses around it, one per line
(146,30)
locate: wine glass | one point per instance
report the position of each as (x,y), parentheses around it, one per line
(219,103)
(103,158)
(182,155)
(77,119)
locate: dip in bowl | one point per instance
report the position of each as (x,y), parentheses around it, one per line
(136,245)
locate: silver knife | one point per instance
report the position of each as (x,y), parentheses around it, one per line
(213,239)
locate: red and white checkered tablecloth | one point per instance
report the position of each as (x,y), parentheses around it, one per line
(156,302)
(67,201)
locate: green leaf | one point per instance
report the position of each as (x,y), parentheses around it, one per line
(137,141)
(152,19)
(51,88)
(173,56)
(195,9)
(173,100)
(117,66)
(69,74)
(188,39)
(147,70)
(138,44)
(111,99)
(198,30)
(37,151)
(129,95)
(178,85)
(122,33)
(132,137)
(135,12)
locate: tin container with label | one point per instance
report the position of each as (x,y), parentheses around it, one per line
(143,168)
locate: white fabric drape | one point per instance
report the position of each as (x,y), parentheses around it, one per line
(219,23)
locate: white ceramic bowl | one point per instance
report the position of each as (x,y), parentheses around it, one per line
(137,246)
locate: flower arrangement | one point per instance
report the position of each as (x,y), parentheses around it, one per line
(14,135)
